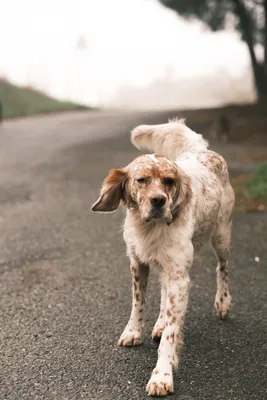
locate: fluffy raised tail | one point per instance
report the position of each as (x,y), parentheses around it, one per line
(170,140)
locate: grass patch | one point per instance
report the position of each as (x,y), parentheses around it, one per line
(251,190)
(257,186)
(23,101)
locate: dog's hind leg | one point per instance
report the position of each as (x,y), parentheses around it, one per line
(131,335)
(221,244)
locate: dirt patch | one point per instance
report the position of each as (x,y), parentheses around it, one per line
(242,140)
(239,134)
(245,123)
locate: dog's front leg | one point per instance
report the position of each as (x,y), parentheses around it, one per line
(131,335)
(177,288)
(160,323)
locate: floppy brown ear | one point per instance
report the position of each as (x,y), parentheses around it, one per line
(112,191)
(184,194)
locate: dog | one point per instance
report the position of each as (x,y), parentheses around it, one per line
(176,199)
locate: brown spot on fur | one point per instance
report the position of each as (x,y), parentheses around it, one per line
(173,320)
(215,163)
(156,371)
(225,294)
(169,313)
(221,299)
(137,296)
(159,156)
(167,374)
(172,297)
(140,319)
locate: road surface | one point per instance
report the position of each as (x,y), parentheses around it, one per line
(65,284)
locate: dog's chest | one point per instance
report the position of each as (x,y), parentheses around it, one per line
(152,246)
(148,250)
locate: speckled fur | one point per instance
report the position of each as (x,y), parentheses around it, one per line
(198,209)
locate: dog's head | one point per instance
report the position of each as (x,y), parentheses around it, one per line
(152,186)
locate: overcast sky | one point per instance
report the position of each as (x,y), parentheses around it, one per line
(131,41)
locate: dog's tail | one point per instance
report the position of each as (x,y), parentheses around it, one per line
(170,140)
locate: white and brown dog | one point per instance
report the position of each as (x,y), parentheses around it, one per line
(176,200)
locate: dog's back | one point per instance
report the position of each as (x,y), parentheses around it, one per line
(188,148)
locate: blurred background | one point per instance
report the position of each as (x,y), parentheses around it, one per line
(75,78)
(136,53)
(205,60)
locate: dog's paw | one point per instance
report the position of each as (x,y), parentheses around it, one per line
(160,384)
(130,337)
(223,304)
(157,332)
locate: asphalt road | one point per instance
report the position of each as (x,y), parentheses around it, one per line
(65,282)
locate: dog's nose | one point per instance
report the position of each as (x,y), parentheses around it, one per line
(158,201)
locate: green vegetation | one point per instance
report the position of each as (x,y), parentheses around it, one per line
(257,186)
(251,190)
(23,101)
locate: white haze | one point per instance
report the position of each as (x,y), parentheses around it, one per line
(137,54)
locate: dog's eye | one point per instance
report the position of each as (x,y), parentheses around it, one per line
(141,180)
(168,181)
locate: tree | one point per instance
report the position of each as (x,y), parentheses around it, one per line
(249,17)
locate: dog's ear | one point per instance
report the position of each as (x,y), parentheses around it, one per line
(112,191)
(183,195)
